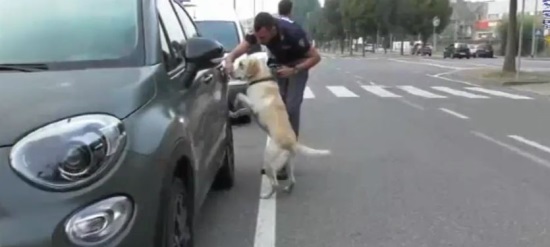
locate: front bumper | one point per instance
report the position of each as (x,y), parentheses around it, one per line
(30,217)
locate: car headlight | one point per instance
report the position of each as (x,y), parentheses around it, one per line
(70,153)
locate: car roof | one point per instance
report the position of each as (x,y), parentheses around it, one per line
(207,13)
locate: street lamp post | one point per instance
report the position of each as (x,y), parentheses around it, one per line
(520,39)
(435,23)
(534,32)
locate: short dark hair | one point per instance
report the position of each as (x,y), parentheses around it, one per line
(285,7)
(264,19)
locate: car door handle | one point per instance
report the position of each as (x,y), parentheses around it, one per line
(208,78)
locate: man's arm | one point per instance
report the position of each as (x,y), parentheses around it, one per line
(311,54)
(312,59)
(241,48)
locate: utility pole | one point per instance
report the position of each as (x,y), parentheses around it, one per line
(534,35)
(235,4)
(254,8)
(520,39)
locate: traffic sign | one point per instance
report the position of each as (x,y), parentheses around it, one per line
(436,21)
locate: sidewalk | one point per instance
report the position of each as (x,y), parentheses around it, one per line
(535,82)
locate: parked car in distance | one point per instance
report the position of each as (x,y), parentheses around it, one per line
(485,50)
(426,50)
(457,50)
(224,26)
(113,134)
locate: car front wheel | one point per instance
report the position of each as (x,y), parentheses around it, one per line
(179,221)
(225,178)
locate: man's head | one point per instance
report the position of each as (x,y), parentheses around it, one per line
(265,27)
(285,7)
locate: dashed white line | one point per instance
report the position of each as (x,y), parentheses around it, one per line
(497,93)
(530,143)
(516,150)
(266,220)
(342,92)
(419,92)
(459,93)
(380,91)
(412,104)
(456,114)
(308,94)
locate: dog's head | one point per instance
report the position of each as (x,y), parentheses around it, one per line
(251,68)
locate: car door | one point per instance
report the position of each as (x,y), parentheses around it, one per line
(191,97)
(217,91)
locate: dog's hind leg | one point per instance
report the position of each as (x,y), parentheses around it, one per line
(292,180)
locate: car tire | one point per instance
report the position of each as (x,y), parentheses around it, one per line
(179,216)
(225,178)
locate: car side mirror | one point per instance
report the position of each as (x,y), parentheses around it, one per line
(203,53)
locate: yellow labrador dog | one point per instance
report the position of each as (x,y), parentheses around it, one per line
(263,99)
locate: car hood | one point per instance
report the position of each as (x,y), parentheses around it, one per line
(31,100)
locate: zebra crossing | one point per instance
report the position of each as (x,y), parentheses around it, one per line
(400,91)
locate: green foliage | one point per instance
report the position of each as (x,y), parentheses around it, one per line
(301,8)
(527,36)
(364,18)
(418,16)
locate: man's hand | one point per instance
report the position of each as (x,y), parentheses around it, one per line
(229,67)
(285,72)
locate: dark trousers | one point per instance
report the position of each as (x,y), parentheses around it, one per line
(292,92)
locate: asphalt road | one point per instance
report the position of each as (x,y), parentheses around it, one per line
(417,161)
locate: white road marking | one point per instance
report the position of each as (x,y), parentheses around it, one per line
(530,143)
(342,92)
(440,76)
(516,150)
(308,94)
(267,216)
(419,92)
(460,93)
(456,114)
(497,93)
(380,91)
(412,104)
(430,64)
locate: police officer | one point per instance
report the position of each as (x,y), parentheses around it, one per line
(290,48)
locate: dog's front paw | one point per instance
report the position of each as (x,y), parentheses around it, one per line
(288,189)
(267,195)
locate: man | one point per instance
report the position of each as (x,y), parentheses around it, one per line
(290,48)
(285,8)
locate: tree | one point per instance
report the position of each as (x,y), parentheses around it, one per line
(527,36)
(359,18)
(417,16)
(333,17)
(511,39)
(301,9)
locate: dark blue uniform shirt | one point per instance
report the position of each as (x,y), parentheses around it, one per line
(290,45)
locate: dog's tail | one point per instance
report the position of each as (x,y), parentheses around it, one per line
(311,151)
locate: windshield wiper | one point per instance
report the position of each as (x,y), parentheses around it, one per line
(23,67)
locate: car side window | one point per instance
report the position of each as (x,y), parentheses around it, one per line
(174,32)
(170,60)
(186,22)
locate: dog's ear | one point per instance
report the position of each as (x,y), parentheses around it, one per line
(252,67)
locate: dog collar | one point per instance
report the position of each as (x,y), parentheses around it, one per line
(270,78)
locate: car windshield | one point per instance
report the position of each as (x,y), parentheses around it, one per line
(223,31)
(66,31)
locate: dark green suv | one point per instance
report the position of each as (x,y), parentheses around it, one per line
(114,123)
